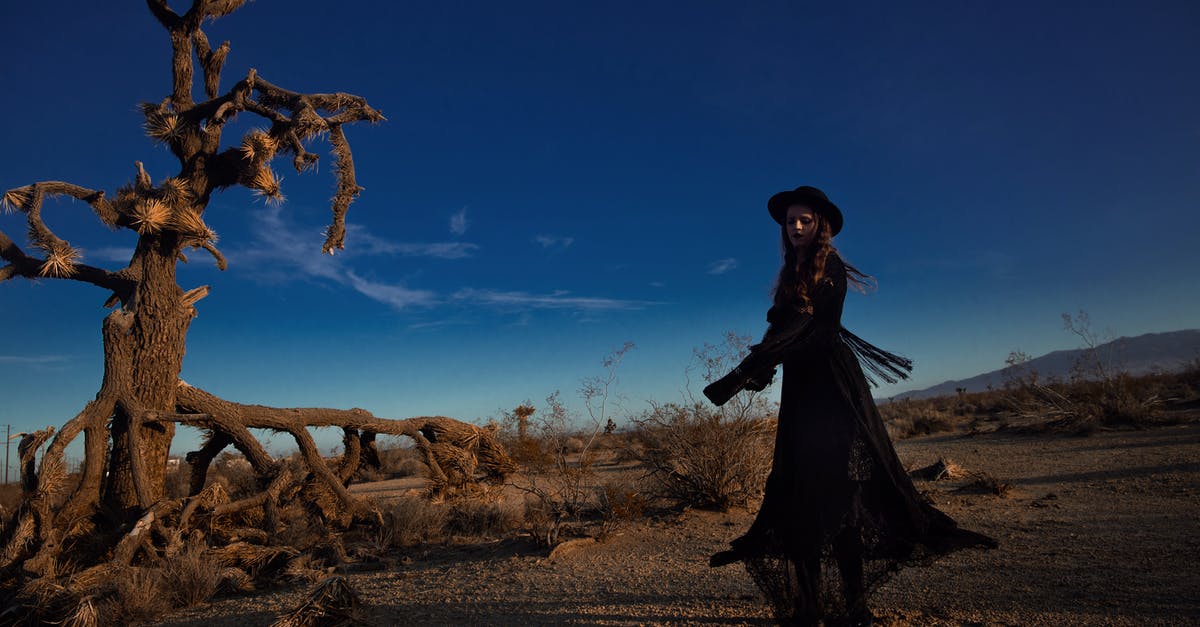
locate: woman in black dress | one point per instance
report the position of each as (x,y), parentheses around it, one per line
(839,512)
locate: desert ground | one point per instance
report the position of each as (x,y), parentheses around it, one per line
(1097,530)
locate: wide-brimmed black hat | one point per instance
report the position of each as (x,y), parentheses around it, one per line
(810,197)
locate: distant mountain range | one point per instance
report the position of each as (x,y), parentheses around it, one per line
(1162,352)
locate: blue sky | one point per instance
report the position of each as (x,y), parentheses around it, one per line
(557,178)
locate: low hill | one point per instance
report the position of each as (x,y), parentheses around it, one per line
(1144,354)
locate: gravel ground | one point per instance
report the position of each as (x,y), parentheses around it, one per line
(1098,530)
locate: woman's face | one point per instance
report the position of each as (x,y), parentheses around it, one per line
(801,226)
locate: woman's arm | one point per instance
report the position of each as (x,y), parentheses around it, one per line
(789,333)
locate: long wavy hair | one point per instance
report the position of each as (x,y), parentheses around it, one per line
(799,274)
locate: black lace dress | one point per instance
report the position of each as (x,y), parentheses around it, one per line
(839,513)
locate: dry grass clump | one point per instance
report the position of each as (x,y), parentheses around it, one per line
(907,418)
(136,595)
(1032,404)
(483,519)
(702,458)
(122,595)
(619,503)
(191,577)
(412,520)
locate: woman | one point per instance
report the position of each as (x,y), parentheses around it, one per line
(839,512)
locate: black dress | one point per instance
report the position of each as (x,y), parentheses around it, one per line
(839,513)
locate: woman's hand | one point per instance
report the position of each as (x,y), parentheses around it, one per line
(761,380)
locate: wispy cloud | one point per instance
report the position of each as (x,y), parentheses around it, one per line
(553,300)
(458,222)
(37,363)
(33,360)
(109,253)
(395,295)
(283,252)
(721,266)
(554,241)
(361,242)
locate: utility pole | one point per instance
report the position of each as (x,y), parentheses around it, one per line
(7,439)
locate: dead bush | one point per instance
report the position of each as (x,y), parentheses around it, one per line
(235,474)
(412,520)
(137,595)
(400,461)
(619,503)
(483,519)
(191,577)
(178,481)
(573,445)
(906,418)
(703,458)
(409,467)
(544,519)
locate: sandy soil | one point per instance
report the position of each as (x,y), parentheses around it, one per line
(1099,530)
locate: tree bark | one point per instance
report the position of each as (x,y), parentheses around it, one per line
(155,349)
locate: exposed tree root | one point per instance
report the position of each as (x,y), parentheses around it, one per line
(239,533)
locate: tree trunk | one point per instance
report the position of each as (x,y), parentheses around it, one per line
(155,348)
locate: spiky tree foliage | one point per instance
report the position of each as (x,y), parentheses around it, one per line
(128,428)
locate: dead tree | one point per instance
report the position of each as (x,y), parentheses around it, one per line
(128,428)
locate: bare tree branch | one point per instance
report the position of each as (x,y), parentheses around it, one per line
(211,62)
(217,8)
(347,190)
(21,264)
(163,13)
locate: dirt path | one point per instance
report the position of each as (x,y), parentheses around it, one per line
(1097,530)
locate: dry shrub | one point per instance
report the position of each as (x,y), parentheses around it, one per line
(192,576)
(905,418)
(412,520)
(619,503)
(178,481)
(400,461)
(530,454)
(489,519)
(235,474)
(410,467)
(543,520)
(704,458)
(138,595)
(573,445)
